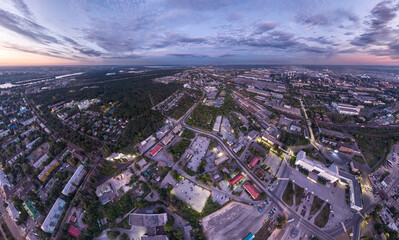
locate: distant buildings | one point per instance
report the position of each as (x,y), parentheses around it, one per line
(347,109)
(54,216)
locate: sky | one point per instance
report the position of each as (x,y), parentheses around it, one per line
(168,32)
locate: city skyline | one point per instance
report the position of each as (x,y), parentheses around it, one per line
(211,32)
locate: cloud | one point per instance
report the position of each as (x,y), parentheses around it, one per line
(46,52)
(234,16)
(187,55)
(327,18)
(88,52)
(378,30)
(23,8)
(127,56)
(265,27)
(175,39)
(227,55)
(26,28)
(322,40)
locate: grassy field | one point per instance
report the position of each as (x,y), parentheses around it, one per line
(373,148)
(358,159)
(316,205)
(298,194)
(322,219)
(288,195)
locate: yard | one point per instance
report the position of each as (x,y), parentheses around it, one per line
(322,219)
(298,194)
(288,195)
(316,205)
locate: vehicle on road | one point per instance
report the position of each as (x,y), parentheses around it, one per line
(249,237)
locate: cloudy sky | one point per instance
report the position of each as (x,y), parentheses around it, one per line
(37,32)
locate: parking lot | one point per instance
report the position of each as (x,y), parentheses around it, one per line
(191,194)
(234,221)
(333,195)
(273,161)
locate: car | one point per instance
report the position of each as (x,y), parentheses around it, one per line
(308,196)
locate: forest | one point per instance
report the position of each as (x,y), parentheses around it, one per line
(135,95)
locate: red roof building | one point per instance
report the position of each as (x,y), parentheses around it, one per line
(252,190)
(253,162)
(236,179)
(156,150)
(73,219)
(73,231)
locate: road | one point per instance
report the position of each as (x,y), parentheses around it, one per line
(305,225)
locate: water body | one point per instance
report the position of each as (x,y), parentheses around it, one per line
(7,85)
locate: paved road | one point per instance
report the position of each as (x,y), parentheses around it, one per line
(305,225)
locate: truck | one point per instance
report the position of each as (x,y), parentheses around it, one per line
(249,237)
(290,220)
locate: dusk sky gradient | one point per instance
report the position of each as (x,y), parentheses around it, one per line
(43,32)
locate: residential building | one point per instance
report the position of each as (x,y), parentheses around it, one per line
(253,162)
(251,189)
(216,126)
(51,221)
(156,150)
(40,160)
(74,181)
(236,179)
(148,220)
(28,205)
(47,170)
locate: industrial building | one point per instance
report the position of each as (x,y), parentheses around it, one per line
(347,109)
(54,216)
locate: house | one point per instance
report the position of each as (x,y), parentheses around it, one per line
(73,231)
(156,150)
(236,179)
(251,189)
(253,162)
